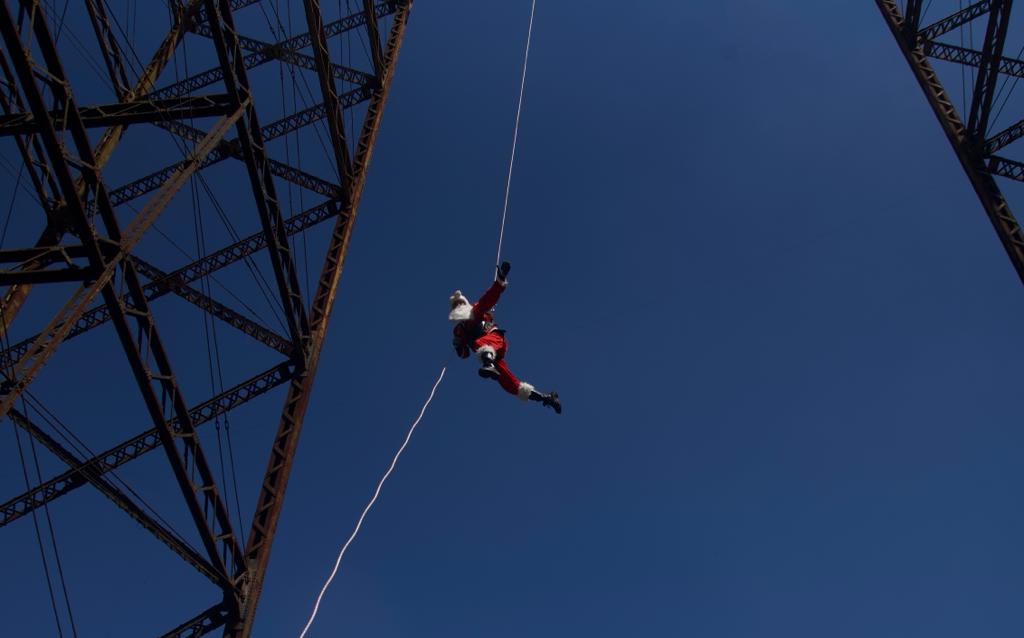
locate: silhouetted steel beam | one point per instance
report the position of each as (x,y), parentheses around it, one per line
(44,254)
(967,148)
(125,113)
(970,57)
(109,48)
(253,60)
(217,533)
(955,21)
(200,15)
(214,308)
(33,155)
(250,139)
(186,274)
(332,106)
(1005,167)
(15,296)
(119,498)
(988,76)
(289,56)
(911,17)
(149,440)
(373,35)
(1005,137)
(46,275)
(210,620)
(275,478)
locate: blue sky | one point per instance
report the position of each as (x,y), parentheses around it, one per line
(744,255)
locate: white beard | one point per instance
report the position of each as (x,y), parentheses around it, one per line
(461,312)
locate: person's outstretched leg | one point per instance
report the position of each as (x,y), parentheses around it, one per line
(524,390)
(490,348)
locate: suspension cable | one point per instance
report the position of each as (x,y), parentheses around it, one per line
(515,132)
(376,493)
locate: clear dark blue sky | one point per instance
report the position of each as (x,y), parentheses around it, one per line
(786,338)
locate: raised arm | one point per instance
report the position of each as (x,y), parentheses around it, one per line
(490,298)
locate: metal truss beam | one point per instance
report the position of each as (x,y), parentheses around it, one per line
(969,145)
(210,620)
(149,440)
(89,473)
(253,60)
(231,148)
(329,92)
(125,113)
(158,387)
(952,53)
(200,15)
(109,48)
(275,478)
(184,275)
(376,52)
(46,275)
(955,21)
(214,308)
(15,296)
(250,139)
(289,56)
(988,76)
(32,153)
(271,131)
(1005,137)
(113,271)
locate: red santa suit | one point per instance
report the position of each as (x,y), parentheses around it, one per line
(475,330)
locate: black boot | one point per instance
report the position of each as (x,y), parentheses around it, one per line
(549,399)
(487,369)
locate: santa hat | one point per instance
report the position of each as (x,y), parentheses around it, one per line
(459,307)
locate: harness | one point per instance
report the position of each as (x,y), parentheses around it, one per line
(470,330)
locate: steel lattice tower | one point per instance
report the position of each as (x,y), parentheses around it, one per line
(971,40)
(88,250)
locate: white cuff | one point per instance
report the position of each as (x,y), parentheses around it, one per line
(482,349)
(525,390)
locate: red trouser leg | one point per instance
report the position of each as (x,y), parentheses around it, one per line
(506,378)
(497,342)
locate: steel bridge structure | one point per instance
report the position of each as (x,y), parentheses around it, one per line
(88,239)
(972,39)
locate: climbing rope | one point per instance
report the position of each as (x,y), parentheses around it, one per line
(373,500)
(515,132)
(501,235)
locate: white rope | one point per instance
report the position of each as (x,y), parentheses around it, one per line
(373,500)
(515,133)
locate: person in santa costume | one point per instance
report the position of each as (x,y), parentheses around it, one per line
(476,331)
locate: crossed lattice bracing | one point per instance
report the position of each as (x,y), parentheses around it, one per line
(966,56)
(87,253)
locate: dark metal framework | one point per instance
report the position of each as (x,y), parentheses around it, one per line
(980,150)
(85,244)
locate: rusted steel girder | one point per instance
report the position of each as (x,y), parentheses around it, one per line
(373,33)
(289,56)
(14,297)
(125,113)
(119,498)
(216,533)
(109,48)
(250,139)
(209,620)
(214,308)
(149,440)
(202,267)
(335,124)
(969,141)
(295,43)
(282,455)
